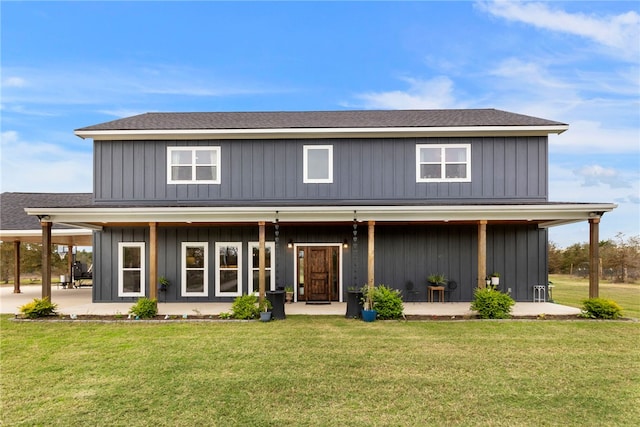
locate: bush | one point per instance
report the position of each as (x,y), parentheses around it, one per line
(492,304)
(39,308)
(387,302)
(600,308)
(245,307)
(145,308)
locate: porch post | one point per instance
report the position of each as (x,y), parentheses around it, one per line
(70,261)
(594,257)
(16,267)
(153,260)
(46,260)
(482,253)
(262,282)
(371,256)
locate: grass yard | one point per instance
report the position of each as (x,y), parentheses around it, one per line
(571,291)
(327,371)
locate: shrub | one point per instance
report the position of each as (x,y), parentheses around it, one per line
(39,308)
(145,308)
(600,308)
(245,307)
(492,304)
(387,302)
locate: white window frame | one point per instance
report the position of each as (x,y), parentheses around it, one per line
(183,287)
(219,293)
(305,164)
(255,287)
(194,150)
(122,269)
(443,163)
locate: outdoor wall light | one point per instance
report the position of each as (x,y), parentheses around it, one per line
(290,244)
(345,244)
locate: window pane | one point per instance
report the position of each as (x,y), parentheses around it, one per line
(181,157)
(228,281)
(131,257)
(256,283)
(228,257)
(131,281)
(430,171)
(255,257)
(195,281)
(456,171)
(181,173)
(455,155)
(430,155)
(195,257)
(205,173)
(206,157)
(318,164)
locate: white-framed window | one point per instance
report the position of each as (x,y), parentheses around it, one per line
(131,269)
(228,269)
(317,162)
(254,266)
(193,165)
(195,269)
(443,163)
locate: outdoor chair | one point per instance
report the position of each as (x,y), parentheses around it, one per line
(412,293)
(452,285)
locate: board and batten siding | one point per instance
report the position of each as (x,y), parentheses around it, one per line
(259,171)
(403,253)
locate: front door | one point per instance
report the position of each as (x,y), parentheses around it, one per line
(318,268)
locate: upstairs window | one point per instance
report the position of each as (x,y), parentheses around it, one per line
(443,163)
(318,164)
(193,165)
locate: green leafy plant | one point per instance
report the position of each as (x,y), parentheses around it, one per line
(387,302)
(164,283)
(249,307)
(437,279)
(224,315)
(367,297)
(601,308)
(288,289)
(492,304)
(38,308)
(145,308)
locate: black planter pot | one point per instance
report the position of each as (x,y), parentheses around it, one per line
(354,304)
(277,303)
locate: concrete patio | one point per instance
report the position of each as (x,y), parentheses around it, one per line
(78,301)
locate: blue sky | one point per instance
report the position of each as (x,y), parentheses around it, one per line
(65,65)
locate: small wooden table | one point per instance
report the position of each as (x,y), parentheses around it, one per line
(439,289)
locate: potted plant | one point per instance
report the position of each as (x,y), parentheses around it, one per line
(288,294)
(495,279)
(369,313)
(164,283)
(437,279)
(265,306)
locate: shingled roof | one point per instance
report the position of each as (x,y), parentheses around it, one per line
(321,120)
(12,205)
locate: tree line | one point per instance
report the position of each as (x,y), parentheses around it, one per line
(31,260)
(619,259)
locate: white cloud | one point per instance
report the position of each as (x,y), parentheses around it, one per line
(14,81)
(434,93)
(620,33)
(594,175)
(42,167)
(591,137)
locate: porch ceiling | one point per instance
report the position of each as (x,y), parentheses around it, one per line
(543,214)
(72,237)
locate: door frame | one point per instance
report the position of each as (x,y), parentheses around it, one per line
(295,266)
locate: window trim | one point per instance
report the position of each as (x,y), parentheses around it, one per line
(183,269)
(218,292)
(121,269)
(254,287)
(194,150)
(443,163)
(305,164)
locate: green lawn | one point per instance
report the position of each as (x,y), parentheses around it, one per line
(326,371)
(571,291)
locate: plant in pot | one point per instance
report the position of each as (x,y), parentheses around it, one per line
(264,306)
(369,313)
(164,283)
(437,280)
(288,294)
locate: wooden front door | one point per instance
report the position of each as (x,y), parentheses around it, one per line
(318,273)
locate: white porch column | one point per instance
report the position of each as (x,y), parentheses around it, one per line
(262,282)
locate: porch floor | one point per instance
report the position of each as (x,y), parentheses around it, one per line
(78,301)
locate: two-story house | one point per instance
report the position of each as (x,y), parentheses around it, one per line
(319,201)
